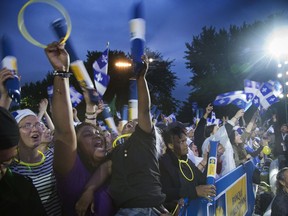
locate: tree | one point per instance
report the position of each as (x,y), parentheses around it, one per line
(160,78)
(32,93)
(220,60)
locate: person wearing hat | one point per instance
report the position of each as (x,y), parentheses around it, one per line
(18,196)
(29,161)
(33,163)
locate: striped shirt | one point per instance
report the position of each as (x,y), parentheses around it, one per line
(44,180)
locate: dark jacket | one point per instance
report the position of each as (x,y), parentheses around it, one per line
(174,184)
(199,135)
(18,196)
(279,205)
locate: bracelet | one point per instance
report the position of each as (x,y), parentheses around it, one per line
(62,74)
(90,113)
(90,118)
(202,165)
(236,118)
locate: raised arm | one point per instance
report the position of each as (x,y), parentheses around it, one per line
(144,117)
(43,113)
(92,110)
(5,100)
(64,136)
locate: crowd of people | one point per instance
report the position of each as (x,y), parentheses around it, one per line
(60,165)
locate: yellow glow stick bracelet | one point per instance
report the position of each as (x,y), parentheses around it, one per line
(53,3)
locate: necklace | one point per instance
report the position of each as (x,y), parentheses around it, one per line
(186,162)
(43,157)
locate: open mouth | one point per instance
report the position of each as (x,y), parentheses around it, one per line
(99,144)
(35,137)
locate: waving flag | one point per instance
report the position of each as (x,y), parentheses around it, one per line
(276,87)
(100,68)
(213,120)
(171,118)
(75,96)
(251,88)
(265,97)
(237,98)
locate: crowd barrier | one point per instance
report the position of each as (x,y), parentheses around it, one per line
(235,195)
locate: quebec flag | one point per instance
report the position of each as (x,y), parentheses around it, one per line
(75,96)
(276,87)
(171,118)
(100,68)
(237,98)
(265,97)
(251,88)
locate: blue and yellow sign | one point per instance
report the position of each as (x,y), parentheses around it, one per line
(236,198)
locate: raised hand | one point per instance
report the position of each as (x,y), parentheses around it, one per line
(4,75)
(58,56)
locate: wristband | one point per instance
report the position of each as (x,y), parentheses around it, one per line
(62,74)
(90,113)
(90,118)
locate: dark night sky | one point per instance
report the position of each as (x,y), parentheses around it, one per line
(170,24)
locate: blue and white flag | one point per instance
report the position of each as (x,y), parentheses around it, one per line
(50,91)
(237,98)
(276,87)
(153,110)
(157,114)
(213,120)
(194,106)
(75,96)
(251,88)
(171,118)
(100,68)
(265,96)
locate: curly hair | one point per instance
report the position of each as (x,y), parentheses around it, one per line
(280,177)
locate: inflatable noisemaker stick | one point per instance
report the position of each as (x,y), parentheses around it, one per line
(124,117)
(9,61)
(133,100)
(109,119)
(137,39)
(77,66)
(212,164)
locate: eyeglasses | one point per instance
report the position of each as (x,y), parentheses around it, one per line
(29,126)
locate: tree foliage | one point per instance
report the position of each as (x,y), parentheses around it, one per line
(160,78)
(220,60)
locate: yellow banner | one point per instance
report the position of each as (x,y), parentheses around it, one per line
(236,198)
